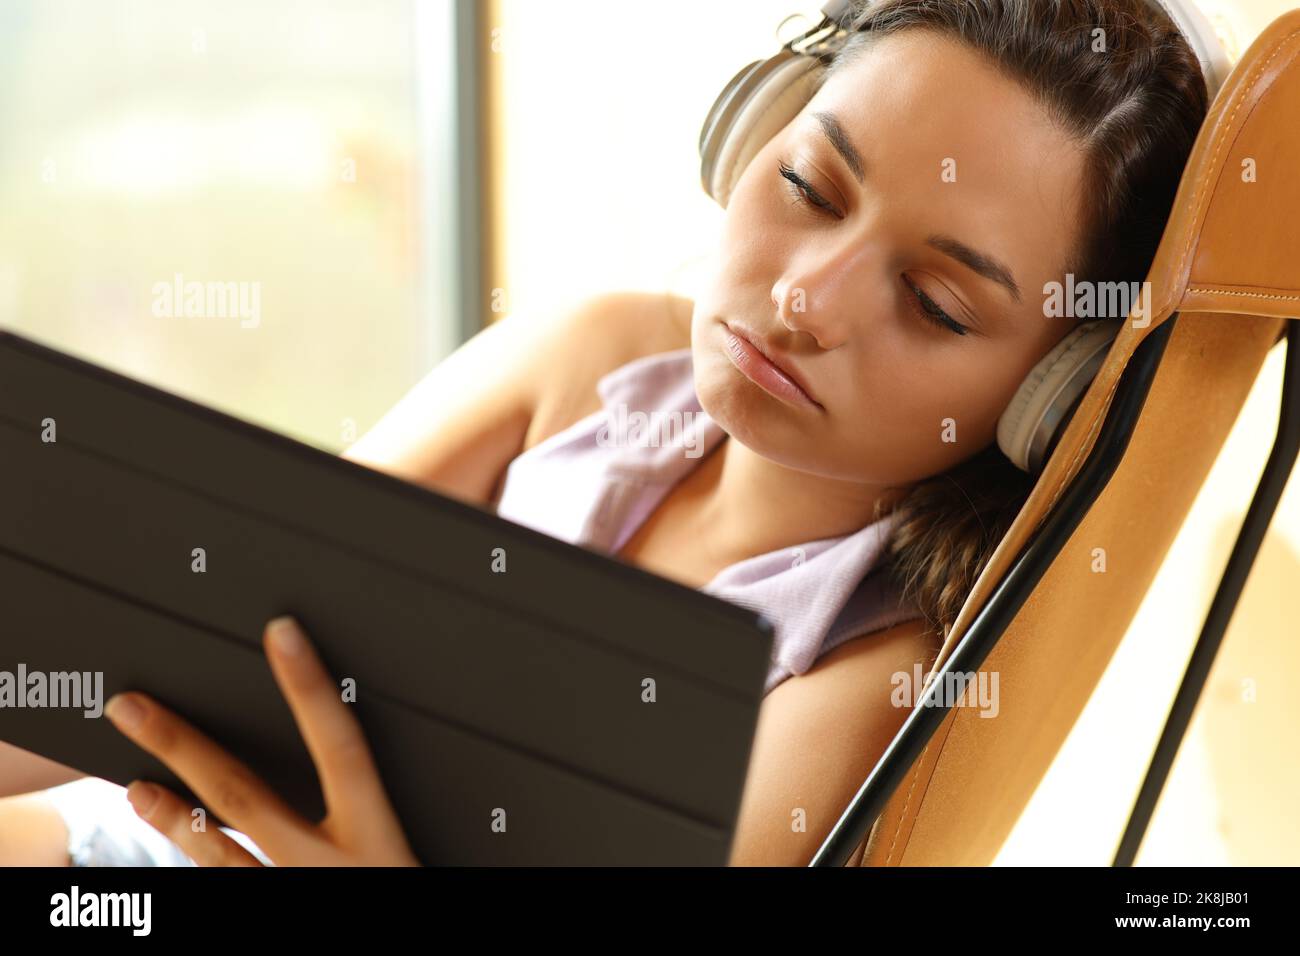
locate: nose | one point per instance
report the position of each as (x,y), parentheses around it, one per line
(824,293)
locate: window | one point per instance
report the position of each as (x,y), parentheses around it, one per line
(286,167)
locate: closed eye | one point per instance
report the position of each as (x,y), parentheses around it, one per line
(803,191)
(922,304)
(930,310)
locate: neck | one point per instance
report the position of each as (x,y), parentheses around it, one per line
(752,505)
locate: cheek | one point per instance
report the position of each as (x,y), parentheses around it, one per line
(926,408)
(755,220)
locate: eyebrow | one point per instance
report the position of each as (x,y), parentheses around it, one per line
(982,264)
(843,145)
(979,262)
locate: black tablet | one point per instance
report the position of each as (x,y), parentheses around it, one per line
(528,701)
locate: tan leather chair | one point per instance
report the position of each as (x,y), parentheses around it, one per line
(1224,282)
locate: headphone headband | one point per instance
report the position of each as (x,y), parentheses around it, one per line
(767,94)
(1195,27)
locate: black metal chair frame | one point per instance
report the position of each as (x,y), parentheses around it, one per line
(1032,563)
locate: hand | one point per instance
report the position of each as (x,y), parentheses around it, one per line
(360,827)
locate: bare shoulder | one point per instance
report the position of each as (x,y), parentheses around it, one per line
(818,736)
(515,382)
(842,683)
(904,643)
(594,337)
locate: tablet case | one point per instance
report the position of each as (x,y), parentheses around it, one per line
(487,696)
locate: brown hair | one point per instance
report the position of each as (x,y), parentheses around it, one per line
(1135,96)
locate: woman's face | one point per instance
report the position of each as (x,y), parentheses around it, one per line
(959,189)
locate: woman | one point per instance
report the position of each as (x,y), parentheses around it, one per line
(887,252)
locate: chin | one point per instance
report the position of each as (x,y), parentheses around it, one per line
(759,421)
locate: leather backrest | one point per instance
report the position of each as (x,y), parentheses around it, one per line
(1229,262)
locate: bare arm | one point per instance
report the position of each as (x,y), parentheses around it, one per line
(462,424)
(818,736)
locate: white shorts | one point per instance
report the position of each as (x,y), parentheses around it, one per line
(104,830)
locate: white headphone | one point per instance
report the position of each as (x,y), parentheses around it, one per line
(766,95)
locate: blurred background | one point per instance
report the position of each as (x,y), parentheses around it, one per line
(369,182)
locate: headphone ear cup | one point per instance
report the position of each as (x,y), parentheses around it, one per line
(757,104)
(1043,405)
(714,128)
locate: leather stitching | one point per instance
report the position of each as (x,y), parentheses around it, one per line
(1192,234)
(1250,295)
(916,773)
(1214,170)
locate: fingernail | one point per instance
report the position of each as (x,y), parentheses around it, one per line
(286,636)
(143,796)
(125,711)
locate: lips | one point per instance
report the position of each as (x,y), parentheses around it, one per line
(764,365)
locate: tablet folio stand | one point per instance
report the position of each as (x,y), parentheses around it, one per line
(508,711)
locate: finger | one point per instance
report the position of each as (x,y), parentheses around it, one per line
(224,784)
(354,794)
(168,814)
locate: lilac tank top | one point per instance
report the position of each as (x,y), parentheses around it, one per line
(595,483)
